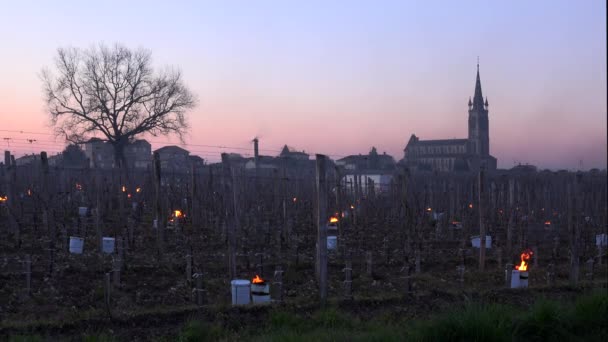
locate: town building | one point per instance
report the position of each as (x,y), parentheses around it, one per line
(449,155)
(138,154)
(368,162)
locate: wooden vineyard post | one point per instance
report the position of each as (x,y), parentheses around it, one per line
(573,214)
(260,264)
(160,222)
(193,212)
(321,227)
(98,210)
(27,265)
(589,273)
(511,223)
(499,257)
(407,270)
(339,201)
(199,288)
(189,268)
(417,260)
(482,225)
(508,274)
(369,262)
(108,294)
(230,206)
(116,265)
(460,270)
(348,279)
(277,283)
(551,275)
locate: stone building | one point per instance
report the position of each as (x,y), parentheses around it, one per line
(456,154)
(138,154)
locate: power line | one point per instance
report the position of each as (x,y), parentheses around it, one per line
(221,147)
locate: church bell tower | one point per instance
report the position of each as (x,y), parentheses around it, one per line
(479,133)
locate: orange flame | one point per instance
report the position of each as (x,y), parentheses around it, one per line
(470,205)
(525,256)
(258,280)
(295,199)
(177,213)
(333,219)
(547,223)
(429,209)
(3,199)
(124,188)
(29,192)
(138,190)
(352,206)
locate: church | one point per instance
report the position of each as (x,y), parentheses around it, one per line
(447,155)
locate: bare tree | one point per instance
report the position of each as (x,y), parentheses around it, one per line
(113,92)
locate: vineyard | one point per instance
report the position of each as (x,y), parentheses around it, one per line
(105,245)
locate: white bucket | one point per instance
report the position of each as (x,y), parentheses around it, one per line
(332,242)
(601,240)
(260,293)
(76,245)
(515,279)
(476,241)
(519,279)
(82,211)
(134,205)
(523,279)
(241,291)
(108,245)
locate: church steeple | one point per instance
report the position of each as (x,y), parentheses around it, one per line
(478,97)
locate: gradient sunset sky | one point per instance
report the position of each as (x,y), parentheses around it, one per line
(338,77)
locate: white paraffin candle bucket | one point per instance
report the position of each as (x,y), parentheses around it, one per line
(519,279)
(601,240)
(476,241)
(241,291)
(515,279)
(332,243)
(76,245)
(82,211)
(260,293)
(108,245)
(523,279)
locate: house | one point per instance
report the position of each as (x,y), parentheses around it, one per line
(196,161)
(290,153)
(173,157)
(101,154)
(28,159)
(371,161)
(138,154)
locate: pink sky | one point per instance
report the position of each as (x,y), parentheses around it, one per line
(332,83)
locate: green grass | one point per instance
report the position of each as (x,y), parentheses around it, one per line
(583,320)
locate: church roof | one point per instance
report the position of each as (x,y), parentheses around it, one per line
(442,142)
(478,97)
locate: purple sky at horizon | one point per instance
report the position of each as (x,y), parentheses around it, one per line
(339,77)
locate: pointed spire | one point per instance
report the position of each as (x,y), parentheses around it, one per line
(478,97)
(470,103)
(486,104)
